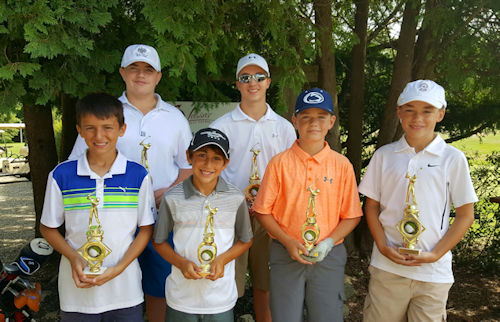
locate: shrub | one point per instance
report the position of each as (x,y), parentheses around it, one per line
(480,246)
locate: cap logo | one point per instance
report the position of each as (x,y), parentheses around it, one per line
(213,135)
(423,87)
(313,98)
(142,51)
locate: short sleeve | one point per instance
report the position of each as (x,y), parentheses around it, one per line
(164,224)
(351,206)
(461,187)
(370,184)
(78,148)
(146,207)
(183,140)
(268,191)
(53,206)
(242,226)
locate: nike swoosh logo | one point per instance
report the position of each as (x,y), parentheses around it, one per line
(432,165)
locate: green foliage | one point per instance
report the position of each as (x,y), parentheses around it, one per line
(480,248)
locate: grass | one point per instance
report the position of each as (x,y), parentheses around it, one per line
(12,149)
(482,144)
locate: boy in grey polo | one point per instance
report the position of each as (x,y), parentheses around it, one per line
(203,203)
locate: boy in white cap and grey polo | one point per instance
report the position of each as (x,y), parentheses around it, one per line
(419,174)
(256,133)
(152,122)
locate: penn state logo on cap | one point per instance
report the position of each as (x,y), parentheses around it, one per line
(314,97)
(210,136)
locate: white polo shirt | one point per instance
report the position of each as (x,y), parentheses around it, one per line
(271,134)
(125,203)
(443,179)
(168,131)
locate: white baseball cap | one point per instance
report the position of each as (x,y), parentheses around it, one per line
(144,53)
(252,59)
(423,90)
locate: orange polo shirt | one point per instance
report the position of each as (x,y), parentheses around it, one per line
(283,192)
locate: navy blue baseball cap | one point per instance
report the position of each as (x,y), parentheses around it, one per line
(314,97)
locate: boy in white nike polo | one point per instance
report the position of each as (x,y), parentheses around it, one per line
(420,170)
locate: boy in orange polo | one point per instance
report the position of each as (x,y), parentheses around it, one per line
(309,180)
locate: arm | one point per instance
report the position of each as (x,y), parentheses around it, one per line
(293,247)
(134,250)
(344,227)
(372,211)
(57,241)
(463,220)
(217,269)
(188,268)
(183,175)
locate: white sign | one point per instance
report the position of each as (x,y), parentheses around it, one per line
(207,113)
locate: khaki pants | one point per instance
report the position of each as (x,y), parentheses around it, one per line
(394,298)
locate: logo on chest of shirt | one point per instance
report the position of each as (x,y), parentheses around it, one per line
(327,179)
(429,165)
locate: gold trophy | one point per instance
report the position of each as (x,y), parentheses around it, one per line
(144,154)
(310,228)
(254,180)
(207,251)
(94,250)
(410,227)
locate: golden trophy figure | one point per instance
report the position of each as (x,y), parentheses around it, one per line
(410,227)
(144,154)
(94,250)
(207,251)
(310,229)
(254,180)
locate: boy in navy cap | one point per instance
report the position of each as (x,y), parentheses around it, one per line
(201,210)
(308,203)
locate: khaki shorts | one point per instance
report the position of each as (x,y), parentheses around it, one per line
(399,299)
(257,257)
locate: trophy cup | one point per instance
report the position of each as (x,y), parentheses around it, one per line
(254,180)
(310,228)
(94,250)
(207,249)
(410,227)
(144,154)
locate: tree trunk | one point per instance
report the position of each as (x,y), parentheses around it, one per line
(43,153)
(356,105)
(401,74)
(360,241)
(422,68)
(326,62)
(69,133)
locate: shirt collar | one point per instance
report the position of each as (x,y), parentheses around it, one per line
(435,147)
(238,115)
(119,166)
(190,190)
(304,156)
(160,105)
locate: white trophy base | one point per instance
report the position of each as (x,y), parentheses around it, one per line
(87,271)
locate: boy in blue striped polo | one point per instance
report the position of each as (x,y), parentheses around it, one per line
(121,190)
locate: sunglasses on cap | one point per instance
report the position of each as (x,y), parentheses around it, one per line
(245,78)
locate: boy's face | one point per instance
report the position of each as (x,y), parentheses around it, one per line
(100,134)
(313,124)
(208,163)
(253,91)
(418,120)
(140,78)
